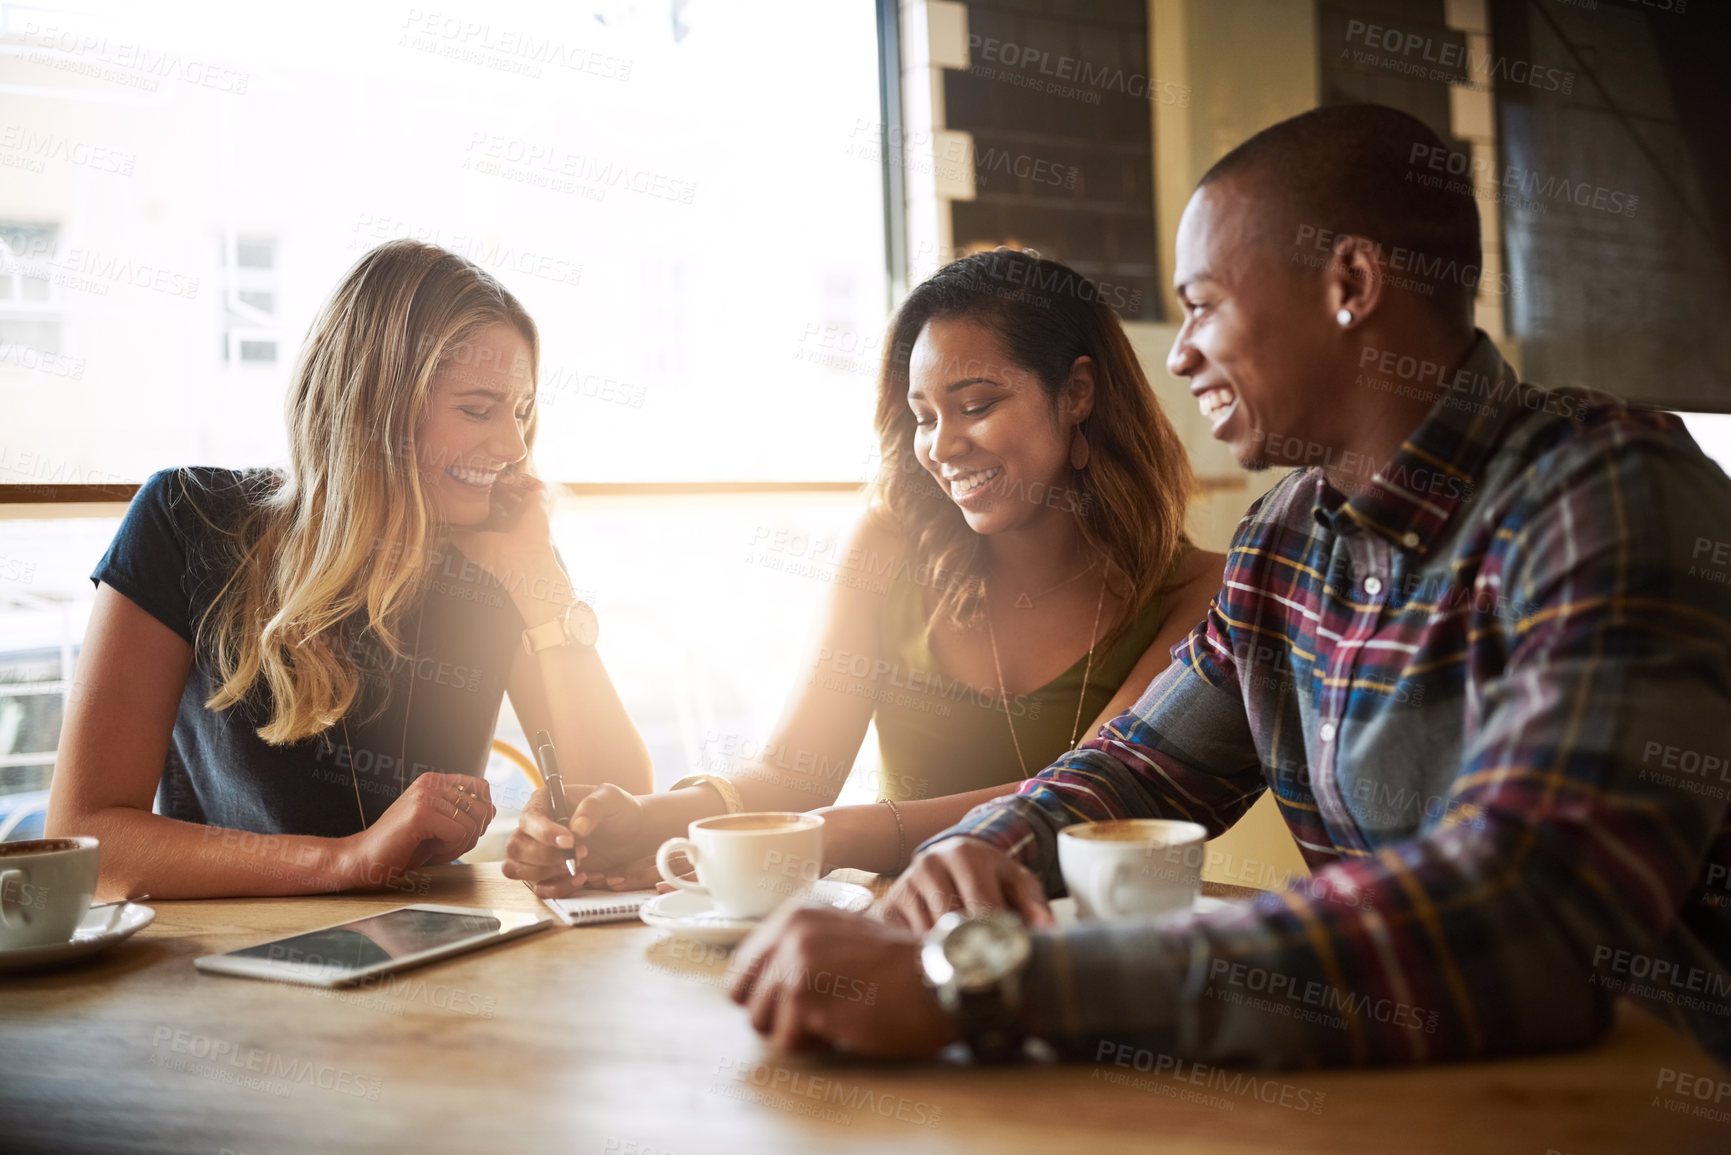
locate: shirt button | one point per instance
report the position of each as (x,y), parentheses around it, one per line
(1373,586)
(1327,732)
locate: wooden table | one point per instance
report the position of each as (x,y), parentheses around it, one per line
(613,1039)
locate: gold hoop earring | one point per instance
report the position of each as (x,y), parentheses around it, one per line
(1078,450)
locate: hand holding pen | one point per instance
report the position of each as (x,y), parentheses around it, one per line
(548,760)
(603,827)
(542,851)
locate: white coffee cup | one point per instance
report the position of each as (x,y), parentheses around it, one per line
(1131,868)
(748,863)
(45,889)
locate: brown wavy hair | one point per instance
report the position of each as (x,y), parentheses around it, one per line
(1130,500)
(347,528)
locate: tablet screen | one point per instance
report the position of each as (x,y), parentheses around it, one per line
(368,942)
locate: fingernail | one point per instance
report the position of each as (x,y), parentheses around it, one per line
(565,841)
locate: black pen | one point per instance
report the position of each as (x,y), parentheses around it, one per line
(549,763)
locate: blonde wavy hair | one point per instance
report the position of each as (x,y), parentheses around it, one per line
(347,526)
(1130,500)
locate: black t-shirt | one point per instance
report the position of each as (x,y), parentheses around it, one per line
(172,555)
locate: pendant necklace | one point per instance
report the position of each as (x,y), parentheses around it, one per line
(1025,601)
(1087,669)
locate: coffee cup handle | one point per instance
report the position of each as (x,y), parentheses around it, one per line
(1113,872)
(6,916)
(664,864)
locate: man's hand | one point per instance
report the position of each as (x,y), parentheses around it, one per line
(814,977)
(968,875)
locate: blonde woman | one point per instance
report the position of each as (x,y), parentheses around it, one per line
(1022,576)
(302,669)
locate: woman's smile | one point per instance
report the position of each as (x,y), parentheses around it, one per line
(969,488)
(474,478)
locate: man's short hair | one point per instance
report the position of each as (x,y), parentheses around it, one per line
(1369,171)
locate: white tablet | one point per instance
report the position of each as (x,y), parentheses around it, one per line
(379,944)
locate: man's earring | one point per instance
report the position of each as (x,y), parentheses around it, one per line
(1344,317)
(1078,450)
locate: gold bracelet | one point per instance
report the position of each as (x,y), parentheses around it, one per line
(901,835)
(729,794)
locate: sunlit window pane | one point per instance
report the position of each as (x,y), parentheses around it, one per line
(669,188)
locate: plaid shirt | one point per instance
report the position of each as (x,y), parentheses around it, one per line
(1491,694)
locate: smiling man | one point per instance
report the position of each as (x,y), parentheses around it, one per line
(1450,642)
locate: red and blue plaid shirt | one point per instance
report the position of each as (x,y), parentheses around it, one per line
(1490,691)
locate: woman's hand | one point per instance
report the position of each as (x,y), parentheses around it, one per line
(536,852)
(612,829)
(607,831)
(515,545)
(438,818)
(643,874)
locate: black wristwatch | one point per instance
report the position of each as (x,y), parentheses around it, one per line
(974,966)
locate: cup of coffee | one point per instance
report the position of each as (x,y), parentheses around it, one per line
(748,863)
(45,889)
(1131,868)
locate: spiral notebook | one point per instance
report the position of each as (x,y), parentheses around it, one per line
(589,907)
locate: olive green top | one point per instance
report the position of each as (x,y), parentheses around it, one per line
(938,735)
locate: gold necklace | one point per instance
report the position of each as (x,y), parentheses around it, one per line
(1003,690)
(1025,601)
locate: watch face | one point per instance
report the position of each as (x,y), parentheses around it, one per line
(983,951)
(585,626)
(937,966)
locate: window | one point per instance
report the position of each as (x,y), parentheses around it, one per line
(42,617)
(668,188)
(29,298)
(249,300)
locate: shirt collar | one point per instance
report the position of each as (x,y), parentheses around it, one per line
(1439,465)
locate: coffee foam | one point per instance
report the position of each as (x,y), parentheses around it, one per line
(744,822)
(1151,832)
(38,846)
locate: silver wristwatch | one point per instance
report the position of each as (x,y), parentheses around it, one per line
(974,966)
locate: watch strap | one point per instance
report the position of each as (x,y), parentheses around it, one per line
(987,1017)
(561,632)
(548,634)
(987,1021)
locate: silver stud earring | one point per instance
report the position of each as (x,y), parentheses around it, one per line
(1344,317)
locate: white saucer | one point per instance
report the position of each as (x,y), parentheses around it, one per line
(690,915)
(100,929)
(1064,909)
